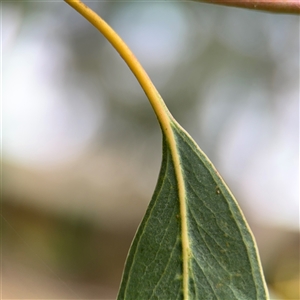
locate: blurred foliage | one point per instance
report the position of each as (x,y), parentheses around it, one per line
(61,246)
(284,272)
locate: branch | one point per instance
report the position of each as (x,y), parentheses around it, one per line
(275,6)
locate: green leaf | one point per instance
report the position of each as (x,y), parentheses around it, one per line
(193,242)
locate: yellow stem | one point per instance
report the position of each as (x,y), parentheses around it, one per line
(154,97)
(163,115)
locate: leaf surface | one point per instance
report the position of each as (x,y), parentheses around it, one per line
(211,237)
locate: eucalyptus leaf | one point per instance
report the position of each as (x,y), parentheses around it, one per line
(216,244)
(193,242)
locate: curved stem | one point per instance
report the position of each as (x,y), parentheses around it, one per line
(163,115)
(154,97)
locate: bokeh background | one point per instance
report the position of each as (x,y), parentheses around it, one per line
(81,147)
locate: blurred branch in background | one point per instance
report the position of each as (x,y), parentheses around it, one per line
(274,6)
(82,148)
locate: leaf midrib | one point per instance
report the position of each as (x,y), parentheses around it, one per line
(182,201)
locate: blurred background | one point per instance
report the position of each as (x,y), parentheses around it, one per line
(81,147)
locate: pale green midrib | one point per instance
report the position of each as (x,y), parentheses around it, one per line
(182,202)
(215,174)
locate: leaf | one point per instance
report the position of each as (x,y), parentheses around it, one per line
(195,243)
